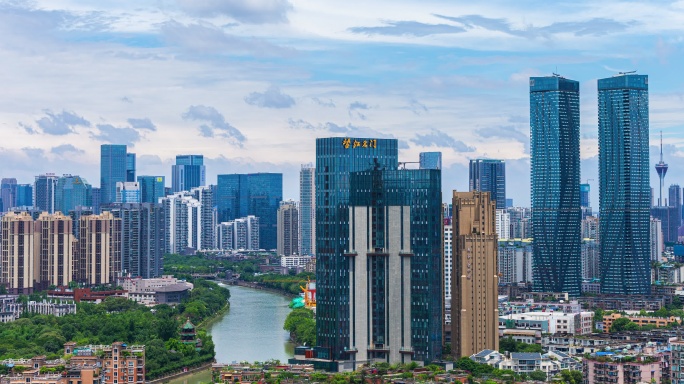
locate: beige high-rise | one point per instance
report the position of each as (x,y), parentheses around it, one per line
(97,259)
(474,289)
(54,250)
(17,253)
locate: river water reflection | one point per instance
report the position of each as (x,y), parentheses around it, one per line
(252,329)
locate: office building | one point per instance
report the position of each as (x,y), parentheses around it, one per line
(128,192)
(515,261)
(487,175)
(54,250)
(113,169)
(188,172)
(255,194)
(585,190)
(71,192)
(8,193)
(24,195)
(657,241)
(97,256)
(335,158)
(96,198)
(130,167)
(44,190)
(474,291)
(394,260)
(591,261)
(307,210)
(288,228)
(238,234)
(430,160)
(17,260)
(624,184)
(503,224)
(142,238)
(555,175)
(151,188)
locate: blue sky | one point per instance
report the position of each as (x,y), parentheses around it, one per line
(251,83)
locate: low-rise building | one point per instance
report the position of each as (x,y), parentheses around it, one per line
(609,367)
(578,323)
(10,309)
(294,261)
(625,303)
(658,322)
(550,363)
(164,290)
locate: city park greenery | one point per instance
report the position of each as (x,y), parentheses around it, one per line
(119,319)
(302,326)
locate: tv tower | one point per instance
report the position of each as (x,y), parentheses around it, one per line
(661,168)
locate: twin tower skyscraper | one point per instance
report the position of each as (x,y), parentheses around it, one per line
(624,188)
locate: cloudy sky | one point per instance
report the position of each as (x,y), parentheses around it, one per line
(251,83)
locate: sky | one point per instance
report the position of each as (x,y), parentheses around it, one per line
(250,84)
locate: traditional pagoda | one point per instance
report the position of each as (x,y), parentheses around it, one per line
(188,334)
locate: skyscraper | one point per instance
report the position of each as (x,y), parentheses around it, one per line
(188,219)
(188,172)
(97,257)
(307,210)
(487,175)
(54,250)
(71,192)
(335,158)
(475,281)
(624,184)
(657,243)
(288,228)
(430,160)
(24,195)
(555,171)
(113,169)
(8,193)
(151,188)
(584,195)
(44,191)
(254,194)
(130,167)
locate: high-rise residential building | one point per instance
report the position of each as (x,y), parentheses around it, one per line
(474,291)
(128,192)
(188,172)
(394,264)
(54,250)
(288,228)
(24,195)
(591,261)
(189,220)
(335,158)
(71,192)
(151,188)
(555,171)
(76,214)
(97,256)
(515,261)
(307,210)
(503,224)
(238,234)
(448,263)
(113,169)
(624,184)
(44,190)
(254,194)
(670,218)
(8,193)
(657,241)
(590,227)
(130,167)
(17,271)
(430,160)
(142,238)
(487,175)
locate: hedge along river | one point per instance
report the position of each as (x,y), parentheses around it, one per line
(252,329)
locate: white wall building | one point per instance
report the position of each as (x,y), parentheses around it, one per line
(503,224)
(577,323)
(591,263)
(515,261)
(127,192)
(590,227)
(657,241)
(448,259)
(238,234)
(294,261)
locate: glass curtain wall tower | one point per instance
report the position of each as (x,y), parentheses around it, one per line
(113,168)
(624,185)
(555,161)
(487,175)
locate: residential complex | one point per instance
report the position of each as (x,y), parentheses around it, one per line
(288,228)
(307,210)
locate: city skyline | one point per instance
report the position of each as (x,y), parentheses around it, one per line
(441,74)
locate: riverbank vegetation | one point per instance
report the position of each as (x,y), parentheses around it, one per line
(302,326)
(119,319)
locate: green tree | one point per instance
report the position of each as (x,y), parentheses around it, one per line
(538,375)
(620,324)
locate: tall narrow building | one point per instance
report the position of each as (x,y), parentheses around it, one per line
(113,169)
(188,172)
(17,269)
(44,192)
(555,171)
(307,210)
(288,228)
(624,190)
(54,250)
(130,167)
(8,193)
(475,280)
(488,175)
(97,257)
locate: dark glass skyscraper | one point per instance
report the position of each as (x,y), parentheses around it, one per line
(585,189)
(113,169)
(188,172)
(257,194)
(488,175)
(72,192)
(151,188)
(130,167)
(44,191)
(336,158)
(624,190)
(8,193)
(24,195)
(555,162)
(430,160)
